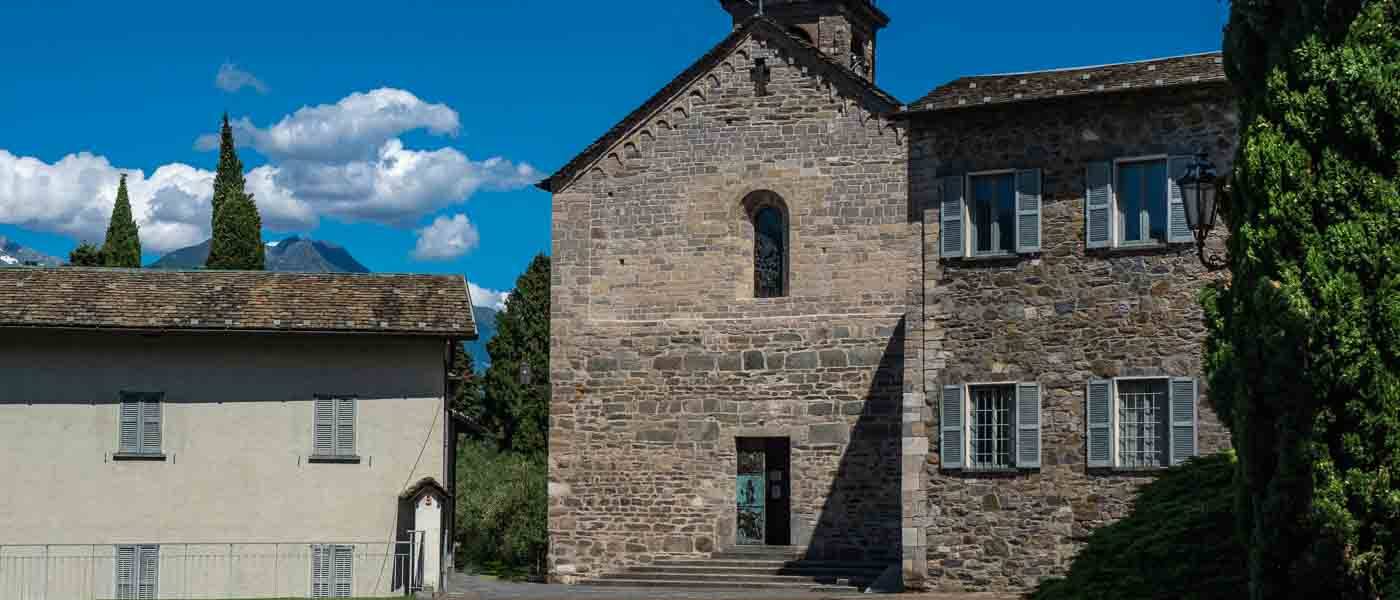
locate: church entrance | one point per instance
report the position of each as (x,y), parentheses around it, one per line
(762,498)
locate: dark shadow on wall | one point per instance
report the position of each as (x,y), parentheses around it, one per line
(861,518)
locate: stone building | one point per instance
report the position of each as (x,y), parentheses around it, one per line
(952,335)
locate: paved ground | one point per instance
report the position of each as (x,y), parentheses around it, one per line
(466,587)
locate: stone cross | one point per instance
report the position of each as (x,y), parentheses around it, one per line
(759,75)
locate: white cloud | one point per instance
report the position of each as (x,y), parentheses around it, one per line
(494,299)
(342,160)
(356,127)
(446,238)
(231,79)
(73,196)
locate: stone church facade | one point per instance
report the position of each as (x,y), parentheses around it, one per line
(953,335)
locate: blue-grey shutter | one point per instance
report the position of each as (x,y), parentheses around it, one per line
(950,217)
(320,571)
(1178,230)
(342,575)
(126,572)
(1098,205)
(1183,418)
(323,427)
(950,424)
(150,423)
(148,573)
(1098,416)
(1028,425)
(1028,210)
(345,426)
(129,435)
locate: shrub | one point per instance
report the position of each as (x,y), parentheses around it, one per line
(1179,542)
(501,510)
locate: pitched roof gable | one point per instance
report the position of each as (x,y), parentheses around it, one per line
(264,301)
(677,86)
(1007,88)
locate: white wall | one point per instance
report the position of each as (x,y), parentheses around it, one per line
(237,432)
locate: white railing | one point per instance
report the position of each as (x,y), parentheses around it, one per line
(188,571)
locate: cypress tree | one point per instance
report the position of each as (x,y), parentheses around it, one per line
(122,247)
(237,227)
(1304,346)
(520,413)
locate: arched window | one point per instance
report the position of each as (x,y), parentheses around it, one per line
(770,244)
(802,34)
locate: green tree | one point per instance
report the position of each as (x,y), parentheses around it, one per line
(123,245)
(237,242)
(520,412)
(1304,346)
(466,384)
(86,254)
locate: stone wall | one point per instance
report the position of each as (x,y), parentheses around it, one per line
(660,356)
(1059,317)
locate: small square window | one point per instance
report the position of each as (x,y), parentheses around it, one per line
(1142,423)
(992,212)
(992,427)
(1142,202)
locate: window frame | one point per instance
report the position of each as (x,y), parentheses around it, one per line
(970,425)
(331,581)
(754,203)
(1117,225)
(140,451)
(970,227)
(136,571)
(1164,424)
(336,455)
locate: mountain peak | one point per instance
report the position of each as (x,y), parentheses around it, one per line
(295,254)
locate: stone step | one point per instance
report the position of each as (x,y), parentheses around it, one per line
(748,569)
(769,564)
(715,585)
(825,579)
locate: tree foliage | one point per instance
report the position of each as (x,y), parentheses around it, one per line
(237,241)
(520,412)
(1178,543)
(502,505)
(1304,346)
(86,254)
(122,247)
(466,391)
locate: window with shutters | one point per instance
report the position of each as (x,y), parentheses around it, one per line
(1135,202)
(988,427)
(1141,422)
(138,572)
(139,429)
(332,570)
(333,435)
(990,213)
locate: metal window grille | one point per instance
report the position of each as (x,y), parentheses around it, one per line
(1142,425)
(991,427)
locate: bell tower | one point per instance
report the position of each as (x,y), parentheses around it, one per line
(844,29)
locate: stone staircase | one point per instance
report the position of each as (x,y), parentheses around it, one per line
(776,568)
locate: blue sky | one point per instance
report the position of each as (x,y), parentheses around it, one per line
(405,177)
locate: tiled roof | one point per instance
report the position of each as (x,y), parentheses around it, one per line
(685,78)
(1039,85)
(151,299)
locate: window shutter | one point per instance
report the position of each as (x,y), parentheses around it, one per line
(323,418)
(1178,230)
(1028,210)
(126,572)
(129,437)
(345,426)
(320,572)
(1182,412)
(148,577)
(1098,414)
(343,571)
(150,423)
(950,218)
(1098,205)
(950,423)
(1028,426)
